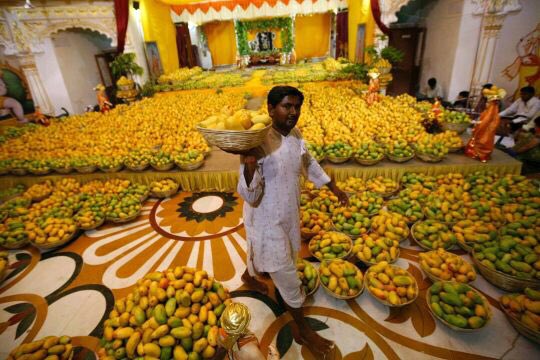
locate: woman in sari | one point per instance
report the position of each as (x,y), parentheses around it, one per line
(481,144)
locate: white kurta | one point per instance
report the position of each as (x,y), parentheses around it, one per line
(272,200)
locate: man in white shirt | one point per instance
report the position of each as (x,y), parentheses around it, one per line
(270,186)
(433,90)
(521,112)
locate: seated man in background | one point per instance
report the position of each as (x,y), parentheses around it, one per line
(462,100)
(527,148)
(521,112)
(433,90)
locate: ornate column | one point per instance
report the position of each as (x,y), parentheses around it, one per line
(39,95)
(493,14)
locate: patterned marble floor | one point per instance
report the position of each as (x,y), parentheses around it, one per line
(71,290)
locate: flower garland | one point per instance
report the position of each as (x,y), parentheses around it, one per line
(284,24)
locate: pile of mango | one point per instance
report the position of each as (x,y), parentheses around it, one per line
(426,181)
(124,207)
(469,232)
(138,159)
(12,233)
(330,245)
(4,264)
(16,206)
(390,225)
(450,139)
(163,186)
(341,277)
(447,266)
(459,305)
(307,274)
(485,211)
(39,191)
(188,157)
(161,159)
(369,151)
(338,150)
(107,163)
(366,203)
(432,234)
(431,145)
(399,148)
(317,151)
(349,222)
(411,210)
(391,284)
(313,221)
(526,210)
(169,314)
(89,219)
(50,347)
(373,248)
(510,256)
(382,185)
(524,307)
(50,230)
(325,201)
(414,192)
(352,185)
(438,208)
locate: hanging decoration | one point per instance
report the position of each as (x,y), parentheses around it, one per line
(376,12)
(264,42)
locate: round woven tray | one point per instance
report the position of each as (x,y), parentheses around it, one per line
(424,246)
(40,172)
(307,235)
(18,171)
(342,297)
(369,162)
(231,140)
(16,245)
(317,282)
(459,128)
(465,246)
(86,169)
(399,159)
(124,220)
(341,257)
(502,280)
(522,328)
(140,167)
(488,310)
(65,170)
(165,194)
(432,277)
(113,169)
(191,167)
(429,157)
(55,244)
(92,227)
(386,303)
(164,167)
(337,160)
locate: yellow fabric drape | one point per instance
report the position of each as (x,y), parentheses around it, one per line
(158,26)
(221,42)
(360,13)
(312,35)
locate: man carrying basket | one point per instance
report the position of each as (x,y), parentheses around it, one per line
(270,186)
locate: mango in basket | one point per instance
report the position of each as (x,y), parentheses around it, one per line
(341,277)
(240,120)
(524,307)
(369,151)
(470,232)
(447,266)
(391,225)
(330,245)
(12,231)
(458,304)
(411,210)
(307,274)
(164,185)
(391,283)
(374,248)
(350,222)
(39,191)
(314,221)
(433,234)
(352,184)
(168,314)
(51,230)
(381,185)
(123,207)
(50,347)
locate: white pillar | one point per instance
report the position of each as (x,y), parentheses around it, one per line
(39,95)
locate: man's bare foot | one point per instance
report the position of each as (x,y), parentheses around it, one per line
(255,284)
(319,346)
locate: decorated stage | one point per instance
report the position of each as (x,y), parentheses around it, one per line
(220,171)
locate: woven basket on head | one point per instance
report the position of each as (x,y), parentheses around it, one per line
(234,140)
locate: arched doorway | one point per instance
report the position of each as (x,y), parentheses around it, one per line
(75,51)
